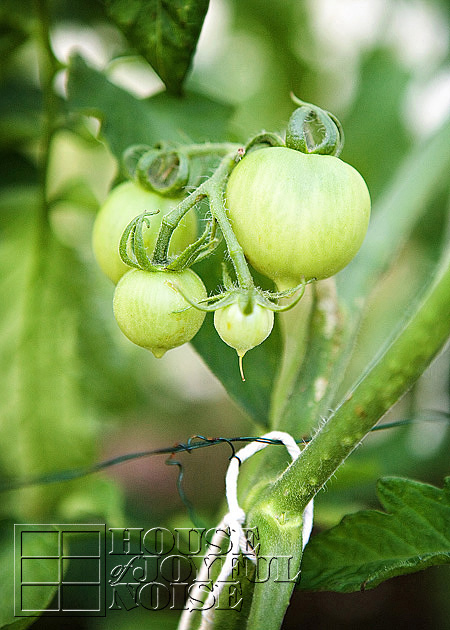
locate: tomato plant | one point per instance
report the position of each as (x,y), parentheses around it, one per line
(233,216)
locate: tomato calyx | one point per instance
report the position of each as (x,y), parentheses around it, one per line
(248,297)
(312,129)
(244,318)
(167,168)
(133,252)
(262,141)
(166,172)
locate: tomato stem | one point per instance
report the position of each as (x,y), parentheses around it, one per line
(48,67)
(169,224)
(213,189)
(217,148)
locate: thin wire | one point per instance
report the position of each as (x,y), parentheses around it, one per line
(171,461)
(204,442)
(76,473)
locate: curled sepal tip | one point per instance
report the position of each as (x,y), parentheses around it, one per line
(132,248)
(131,157)
(263,140)
(314,130)
(200,249)
(164,171)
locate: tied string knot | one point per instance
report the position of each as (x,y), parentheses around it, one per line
(231,525)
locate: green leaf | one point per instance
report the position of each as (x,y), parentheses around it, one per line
(127,120)
(165,32)
(369,547)
(376,138)
(47,424)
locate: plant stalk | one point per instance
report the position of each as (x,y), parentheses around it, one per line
(391,374)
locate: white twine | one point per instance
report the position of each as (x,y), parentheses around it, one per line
(231,524)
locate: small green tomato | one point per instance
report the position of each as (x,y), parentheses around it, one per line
(296,215)
(151,311)
(243,331)
(123,204)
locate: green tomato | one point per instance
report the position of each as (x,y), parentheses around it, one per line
(296,215)
(243,331)
(123,204)
(151,311)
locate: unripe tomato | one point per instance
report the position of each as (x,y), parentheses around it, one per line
(153,314)
(297,215)
(240,331)
(123,204)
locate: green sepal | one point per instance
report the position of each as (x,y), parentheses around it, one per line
(313,130)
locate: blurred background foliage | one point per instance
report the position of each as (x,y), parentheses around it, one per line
(74,391)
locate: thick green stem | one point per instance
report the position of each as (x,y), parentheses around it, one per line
(40,245)
(391,375)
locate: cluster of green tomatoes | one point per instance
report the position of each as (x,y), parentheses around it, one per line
(291,208)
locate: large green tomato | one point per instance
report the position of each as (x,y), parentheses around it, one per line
(151,311)
(296,215)
(123,204)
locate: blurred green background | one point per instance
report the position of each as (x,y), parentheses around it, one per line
(382,67)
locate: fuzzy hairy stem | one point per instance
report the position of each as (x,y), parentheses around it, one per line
(390,375)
